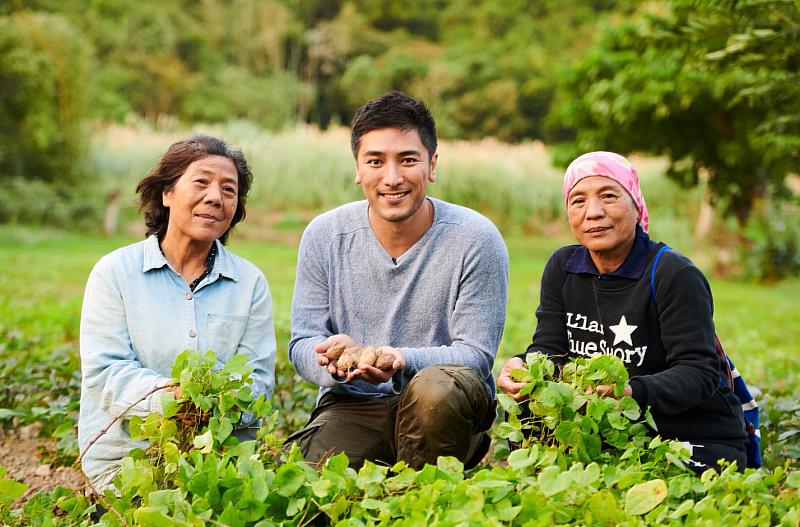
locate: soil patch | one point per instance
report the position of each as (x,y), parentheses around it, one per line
(25,455)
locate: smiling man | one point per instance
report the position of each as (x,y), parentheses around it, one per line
(422,280)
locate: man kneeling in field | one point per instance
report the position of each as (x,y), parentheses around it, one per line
(418,282)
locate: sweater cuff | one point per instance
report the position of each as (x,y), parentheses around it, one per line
(401,378)
(639,389)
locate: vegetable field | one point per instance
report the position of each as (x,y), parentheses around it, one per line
(591,462)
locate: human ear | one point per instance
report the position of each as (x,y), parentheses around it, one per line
(166,198)
(432,174)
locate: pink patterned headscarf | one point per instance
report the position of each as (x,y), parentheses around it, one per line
(612,166)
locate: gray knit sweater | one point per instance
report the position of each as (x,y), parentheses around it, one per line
(442,302)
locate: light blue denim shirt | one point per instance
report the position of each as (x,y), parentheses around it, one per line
(138,316)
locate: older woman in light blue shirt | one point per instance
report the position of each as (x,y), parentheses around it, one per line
(178,289)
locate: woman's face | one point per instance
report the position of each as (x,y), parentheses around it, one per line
(203,200)
(602,216)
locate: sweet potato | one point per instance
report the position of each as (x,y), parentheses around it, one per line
(334,352)
(351,358)
(367,356)
(384,361)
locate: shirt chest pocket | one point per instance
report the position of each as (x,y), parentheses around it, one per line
(225,332)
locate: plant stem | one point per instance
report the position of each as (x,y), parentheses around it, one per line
(117,418)
(99,497)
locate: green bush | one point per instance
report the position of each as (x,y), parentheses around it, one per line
(44,66)
(773,248)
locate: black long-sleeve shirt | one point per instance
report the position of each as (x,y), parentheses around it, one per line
(668,350)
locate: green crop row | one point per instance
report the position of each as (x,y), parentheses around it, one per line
(588,460)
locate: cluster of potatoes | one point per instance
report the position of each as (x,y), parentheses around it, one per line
(347,359)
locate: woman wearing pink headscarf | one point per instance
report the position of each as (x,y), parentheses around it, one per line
(596,298)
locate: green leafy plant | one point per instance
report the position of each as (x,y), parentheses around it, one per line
(582,459)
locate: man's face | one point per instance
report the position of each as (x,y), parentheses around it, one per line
(394,168)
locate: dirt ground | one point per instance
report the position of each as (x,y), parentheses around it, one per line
(24,455)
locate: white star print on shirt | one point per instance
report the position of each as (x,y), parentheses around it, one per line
(623,332)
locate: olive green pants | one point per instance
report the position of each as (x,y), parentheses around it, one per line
(444,411)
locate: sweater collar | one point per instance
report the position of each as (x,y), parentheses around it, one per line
(581,261)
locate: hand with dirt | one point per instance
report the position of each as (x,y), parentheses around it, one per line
(344,358)
(377,366)
(331,348)
(507,384)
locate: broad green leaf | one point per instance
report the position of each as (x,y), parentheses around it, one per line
(589,447)
(450,464)
(336,508)
(10,490)
(618,421)
(630,408)
(506,511)
(373,504)
(508,404)
(64,429)
(508,431)
(679,486)
(6,414)
(288,480)
(630,477)
(603,509)
(644,497)
(204,442)
(587,476)
(147,517)
(524,457)
(224,430)
(171,452)
(598,407)
(555,394)
(568,433)
(683,509)
(552,480)
(339,463)
(295,506)
(231,517)
(237,365)
(251,509)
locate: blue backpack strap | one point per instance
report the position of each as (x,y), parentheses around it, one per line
(739,388)
(656,258)
(750,411)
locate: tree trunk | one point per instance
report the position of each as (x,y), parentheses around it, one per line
(705,218)
(112,213)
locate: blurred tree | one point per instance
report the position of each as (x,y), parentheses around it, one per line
(712,85)
(485,66)
(44,72)
(235,93)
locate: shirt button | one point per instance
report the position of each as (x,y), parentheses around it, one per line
(192,333)
(189,295)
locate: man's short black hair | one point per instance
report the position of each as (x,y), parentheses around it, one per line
(394,110)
